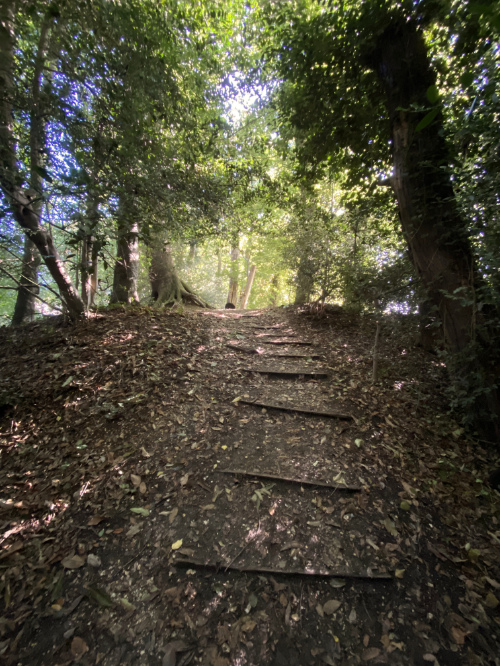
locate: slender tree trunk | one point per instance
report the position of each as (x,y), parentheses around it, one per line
(167,288)
(232,296)
(437,236)
(20,203)
(274,290)
(192,252)
(89,258)
(126,271)
(248,287)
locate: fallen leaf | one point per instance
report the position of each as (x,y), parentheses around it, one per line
(136,480)
(493,583)
(135,529)
(78,648)
(458,635)
(177,545)
(140,510)
(491,601)
(142,488)
(184,479)
(93,560)
(73,562)
(370,653)
(170,650)
(95,520)
(102,598)
(390,527)
(173,514)
(248,626)
(331,606)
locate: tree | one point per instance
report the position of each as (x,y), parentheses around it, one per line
(22,204)
(167,287)
(364,72)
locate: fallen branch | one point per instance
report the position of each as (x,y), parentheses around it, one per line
(286,479)
(303,410)
(270,571)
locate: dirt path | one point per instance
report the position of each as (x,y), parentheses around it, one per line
(140,526)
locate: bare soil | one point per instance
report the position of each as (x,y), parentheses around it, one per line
(124,539)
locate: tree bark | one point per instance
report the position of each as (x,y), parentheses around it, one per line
(436,234)
(248,288)
(304,283)
(89,258)
(24,310)
(274,290)
(11,180)
(126,270)
(167,288)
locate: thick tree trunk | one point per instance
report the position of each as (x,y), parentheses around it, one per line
(25,310)
(436,234)
(304,284)
(248,288)
(167,288)
(126,271)
(21,205)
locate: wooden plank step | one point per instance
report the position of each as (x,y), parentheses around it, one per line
(287,341)
(300,482)
(273,354)
(270,571)
(295,372)
(302,410)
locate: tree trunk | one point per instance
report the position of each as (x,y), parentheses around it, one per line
(25,310)
(304,284)
(126,271)
(192,252)
(274,290)
(437,236)
(167,288)
(248,287)
(10,179)
(89,259)
(232,296)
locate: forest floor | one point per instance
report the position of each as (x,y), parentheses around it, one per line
(135,528)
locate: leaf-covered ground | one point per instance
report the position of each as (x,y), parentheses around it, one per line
(131,534)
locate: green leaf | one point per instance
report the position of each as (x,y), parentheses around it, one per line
(466,79)
(427,120)
(432,94)
(102,598)
(140,510)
